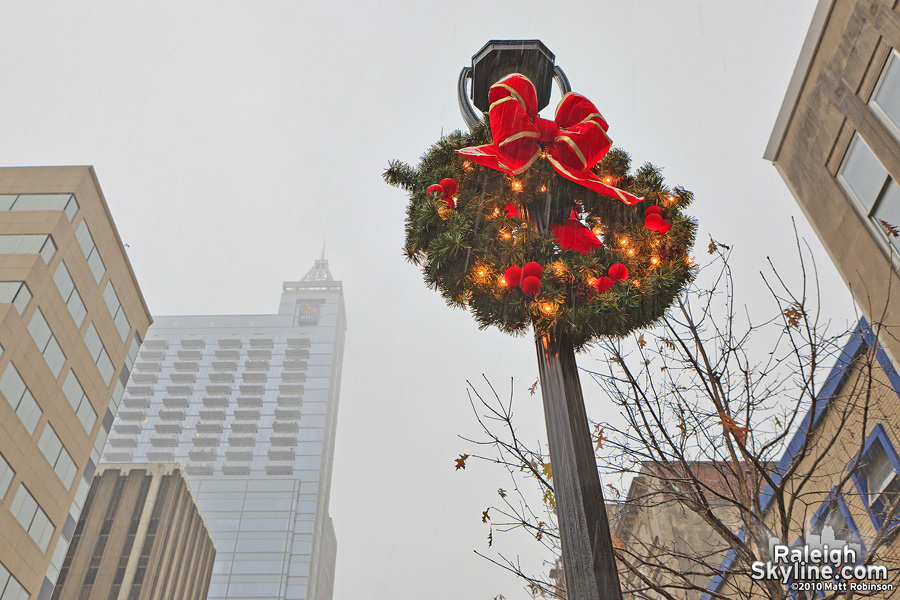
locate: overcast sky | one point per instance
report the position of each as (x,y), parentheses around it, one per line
(231,139)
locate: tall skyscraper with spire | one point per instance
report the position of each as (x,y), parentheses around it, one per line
(248,405)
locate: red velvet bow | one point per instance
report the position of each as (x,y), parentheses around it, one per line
(573,142)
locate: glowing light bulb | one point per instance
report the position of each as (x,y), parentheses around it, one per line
(624,241)
(690,260)
(596,231)
(548,307)
(631,253)
(503,280)
(543,188)
(481,272)
(608,179)
(517,185)
(654,260)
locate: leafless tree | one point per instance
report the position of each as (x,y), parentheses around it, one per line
(731,432)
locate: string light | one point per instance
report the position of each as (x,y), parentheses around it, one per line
(517,185)
(597,231)
(690,260)
(631,253)
(624,241)
(467,165)
(543,188)
(503,281)
(654,260)
(608,179)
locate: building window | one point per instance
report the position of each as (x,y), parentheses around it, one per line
(885,100)
(116,310)
(53,450)
(69,294)
(79,402)
(30,516)
(86,241)
(98,353)
(28,244)
(10,588)
(46,343)
(66,202)
(15,293)
(876,478)
(19,397)
(6,477)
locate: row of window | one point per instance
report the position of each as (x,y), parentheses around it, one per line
(15,293)
(65,202)
(861,174)
(29,244)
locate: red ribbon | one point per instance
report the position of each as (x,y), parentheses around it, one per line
(573,142)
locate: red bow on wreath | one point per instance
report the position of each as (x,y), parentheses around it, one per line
(573,143)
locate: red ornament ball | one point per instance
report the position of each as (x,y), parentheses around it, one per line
(532,269)
(618,272)
(654,222)
(434,190)
(531,285)
(449,186)
(665,227)
(513,276)
(450,203)
(603,284)
(650,209)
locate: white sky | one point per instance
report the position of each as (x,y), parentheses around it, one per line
(232,138)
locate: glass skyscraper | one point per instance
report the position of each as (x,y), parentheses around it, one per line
(248,405)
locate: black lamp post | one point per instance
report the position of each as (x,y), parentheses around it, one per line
(587,550)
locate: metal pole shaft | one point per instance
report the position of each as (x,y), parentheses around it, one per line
(587,550)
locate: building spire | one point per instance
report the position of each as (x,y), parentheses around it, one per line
(319,271)
(323,248)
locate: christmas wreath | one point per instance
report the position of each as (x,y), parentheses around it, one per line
(543,224)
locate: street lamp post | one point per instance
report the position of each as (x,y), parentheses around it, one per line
(588,555)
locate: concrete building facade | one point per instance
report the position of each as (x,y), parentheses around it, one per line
(72,318)
(836,143)
(140,537)
(247,404)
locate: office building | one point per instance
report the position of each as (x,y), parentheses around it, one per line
(71,321)
(836,143)
(140,537)
(247,404)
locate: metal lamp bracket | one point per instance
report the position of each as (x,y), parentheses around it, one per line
(470,114)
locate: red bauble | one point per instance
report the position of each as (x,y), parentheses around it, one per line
(650,209)
(449,200)
(513,276)
(665,227)
(532,269)
(449,186)
(618,272)
(531,285)
(434,189)
(653,221)
(603,284)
